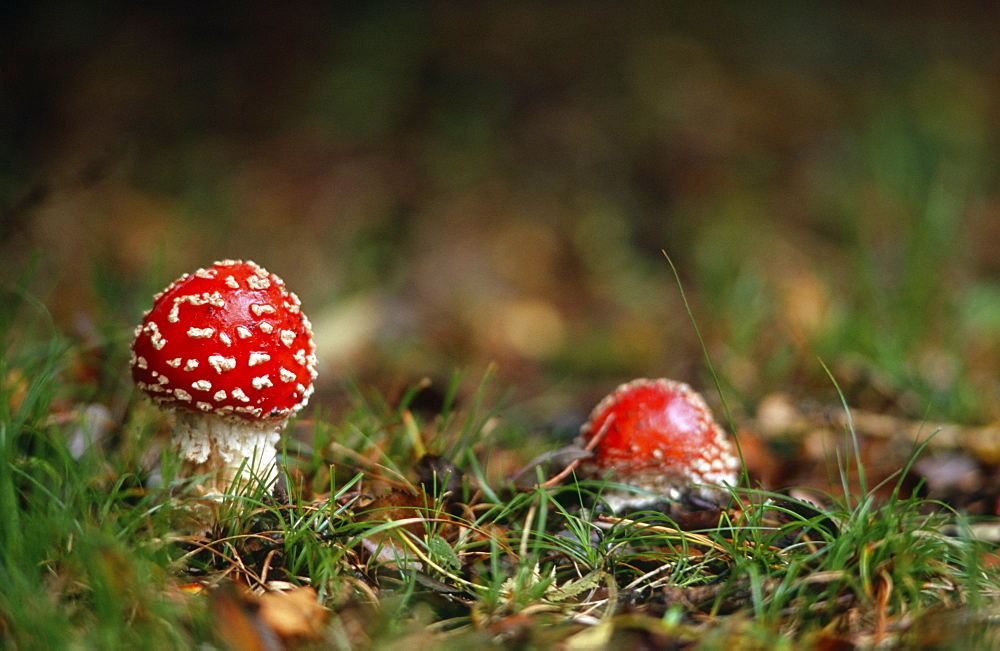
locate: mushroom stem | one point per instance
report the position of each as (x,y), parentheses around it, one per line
(222,451)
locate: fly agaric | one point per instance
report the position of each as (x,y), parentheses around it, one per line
(229,350)
(658,436)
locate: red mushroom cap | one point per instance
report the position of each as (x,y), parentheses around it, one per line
(228,340)
(660,437)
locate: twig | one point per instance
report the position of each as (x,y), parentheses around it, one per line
(572,465)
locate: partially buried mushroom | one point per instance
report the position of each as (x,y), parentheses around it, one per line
(657,436)
(229,350)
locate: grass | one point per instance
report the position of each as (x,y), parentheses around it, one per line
(860,241)
(368,549)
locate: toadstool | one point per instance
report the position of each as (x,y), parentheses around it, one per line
(658,436)
(229,350)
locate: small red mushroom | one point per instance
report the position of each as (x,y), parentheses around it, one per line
(658,436)
(229,350)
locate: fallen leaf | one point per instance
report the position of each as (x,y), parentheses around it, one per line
(237,624)
(294,614)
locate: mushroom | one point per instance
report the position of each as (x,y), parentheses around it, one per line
(658,436)
(229,350)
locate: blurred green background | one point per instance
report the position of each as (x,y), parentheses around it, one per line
(451,184)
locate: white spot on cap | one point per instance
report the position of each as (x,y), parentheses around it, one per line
(181,394)
(224,338)
(287,337)
(220,363)
(231,283)
(259,309)
(243,332)
(141,362)
(258,358)
(204,406)
(240,395)
(219,396)
(259,282)
(191,365)
(200,333)
(202,385)
(215,298)
(155,337)
(261,382)
(205,273)
(162,379)
(286,375)
(176,362)
(266,328)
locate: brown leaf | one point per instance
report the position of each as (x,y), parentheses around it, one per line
(237,623)
(294,614)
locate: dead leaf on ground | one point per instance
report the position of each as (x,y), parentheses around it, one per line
(293,614)
(237,622)
(272,620)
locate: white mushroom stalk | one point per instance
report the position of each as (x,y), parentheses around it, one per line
(222,450)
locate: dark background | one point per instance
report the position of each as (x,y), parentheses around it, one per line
(451,184)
